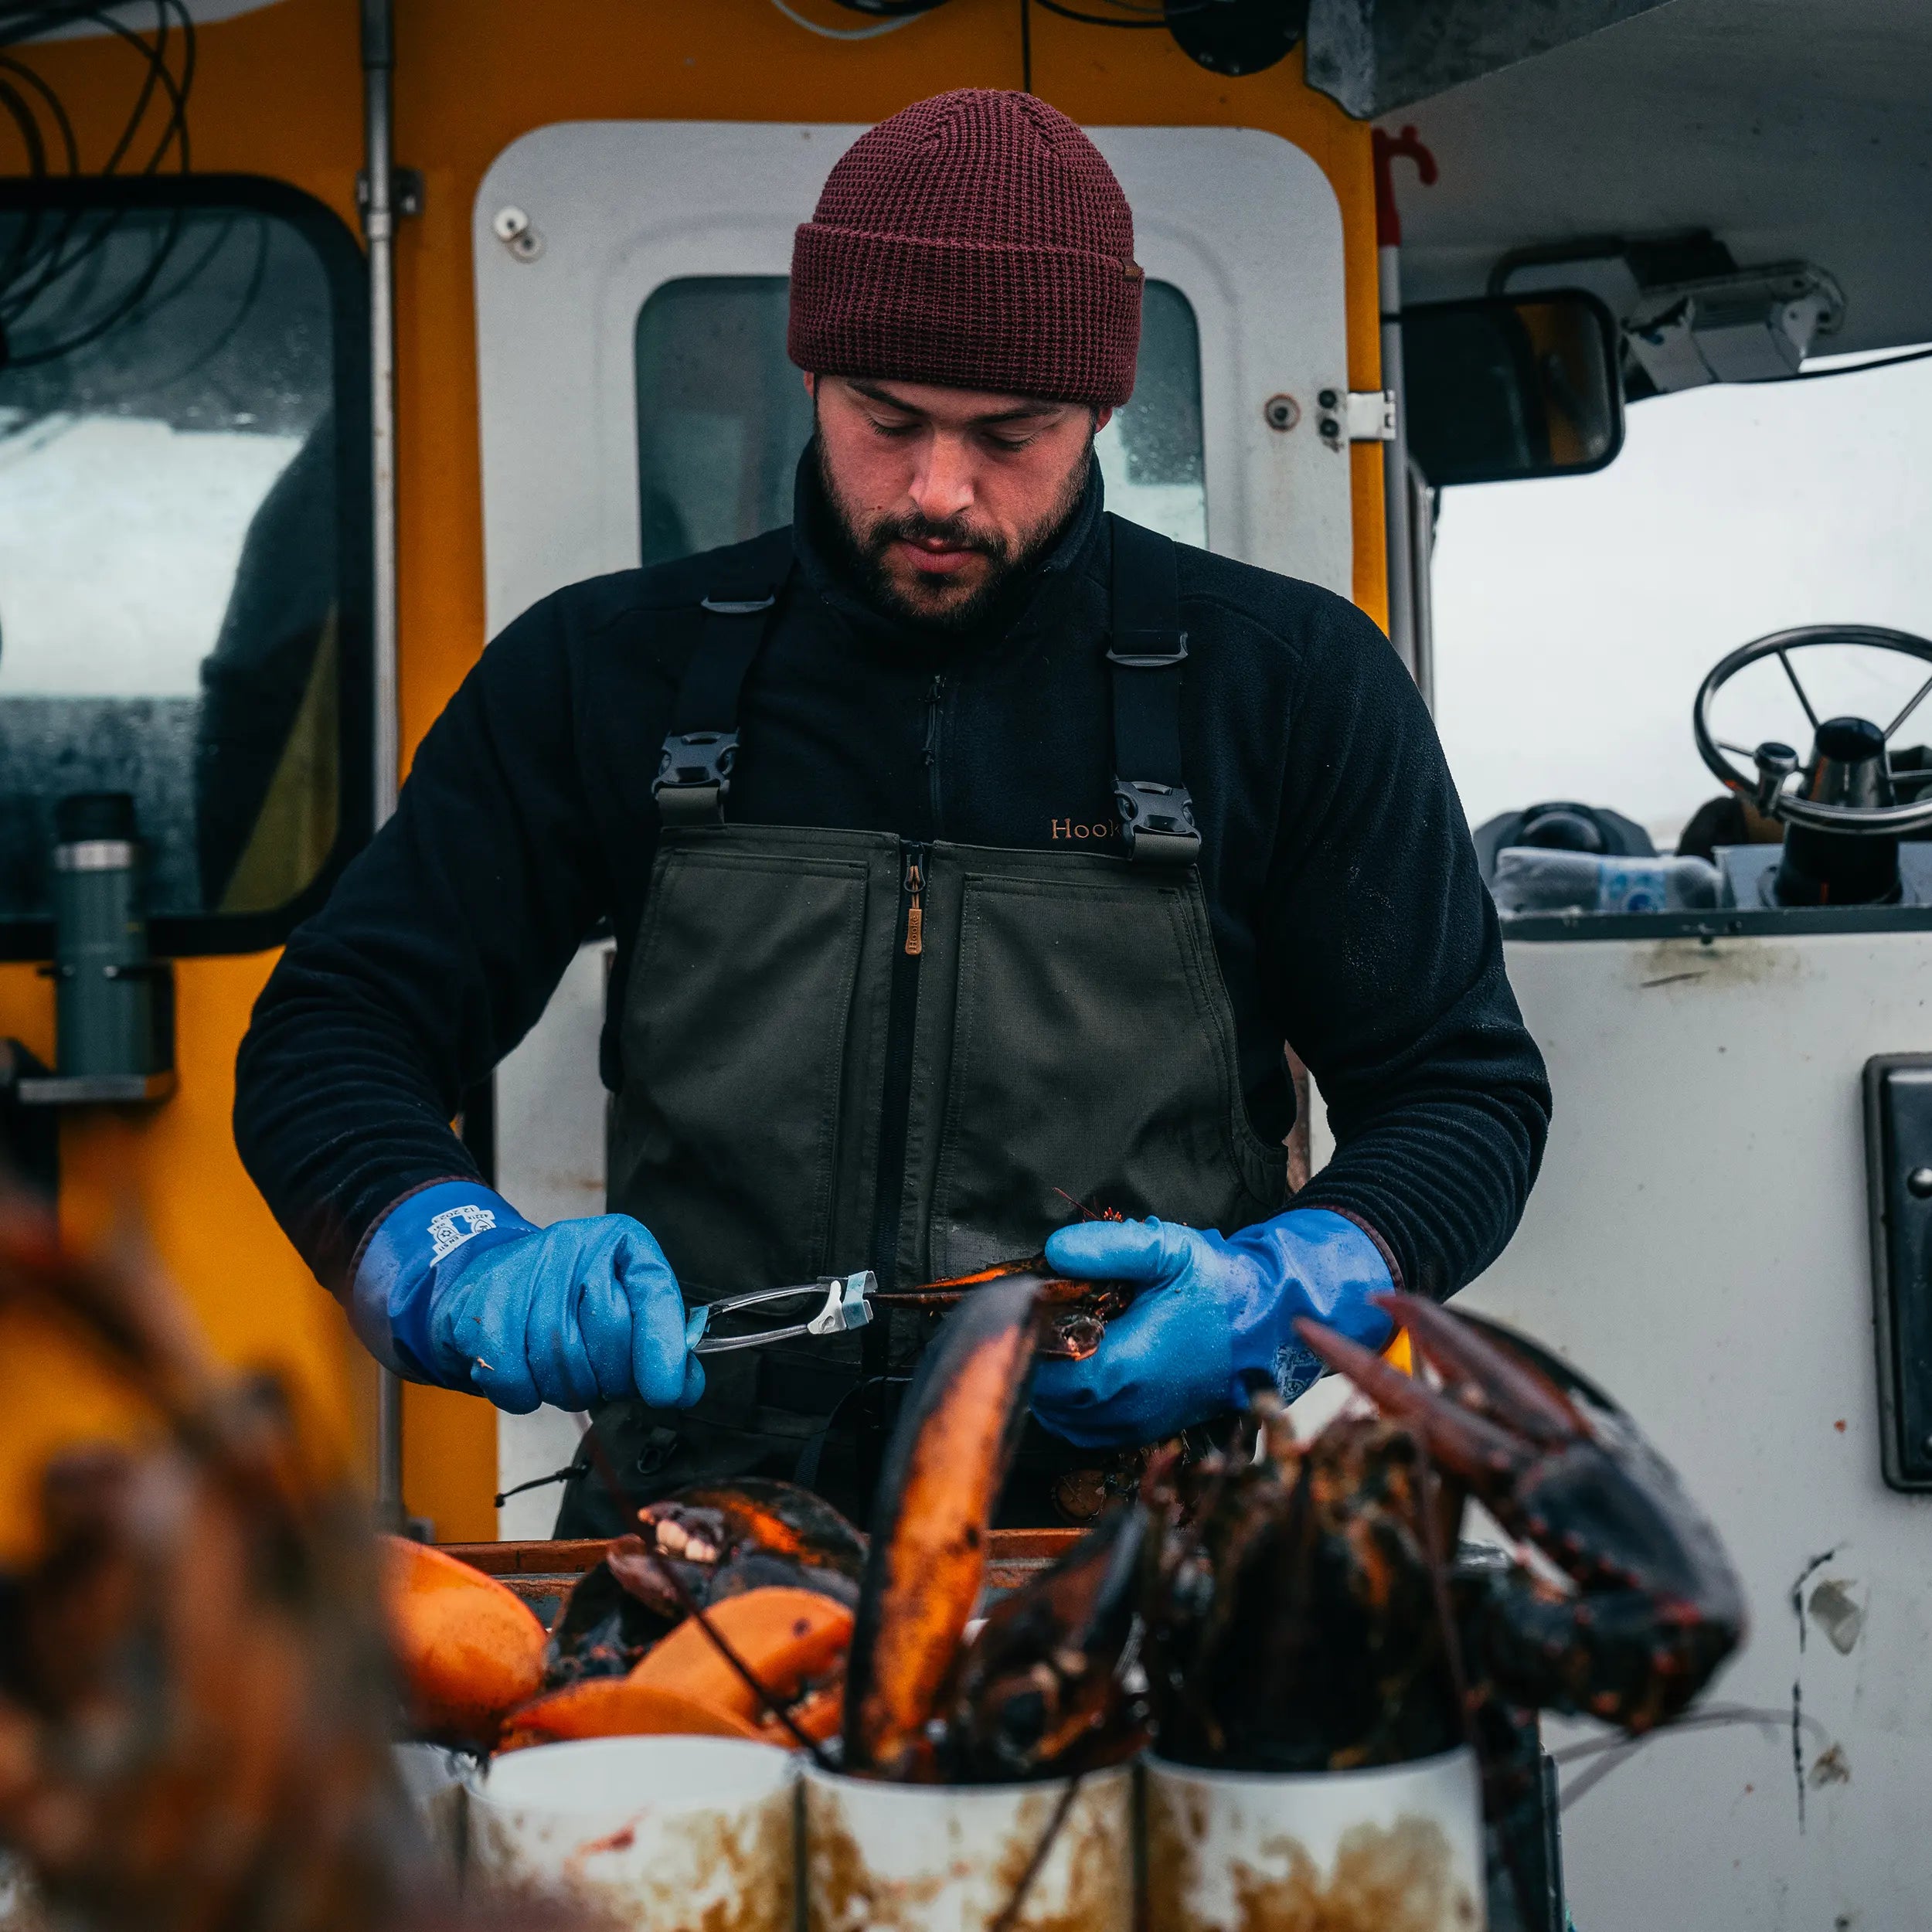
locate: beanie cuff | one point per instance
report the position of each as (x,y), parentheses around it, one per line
(1022,319)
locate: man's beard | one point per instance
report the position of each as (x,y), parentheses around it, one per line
(865,551)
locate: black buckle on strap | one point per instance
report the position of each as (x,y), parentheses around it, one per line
(694,776)
(1157,821)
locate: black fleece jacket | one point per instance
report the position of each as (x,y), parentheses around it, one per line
(1348,913)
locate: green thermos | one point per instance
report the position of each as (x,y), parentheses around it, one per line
(112,1016)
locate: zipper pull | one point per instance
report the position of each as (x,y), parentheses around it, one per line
(915,919)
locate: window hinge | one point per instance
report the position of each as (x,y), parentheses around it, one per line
(1357,416)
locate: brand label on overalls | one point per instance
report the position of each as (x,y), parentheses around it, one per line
(1078,829)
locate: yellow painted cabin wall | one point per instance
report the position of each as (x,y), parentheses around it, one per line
(278,93)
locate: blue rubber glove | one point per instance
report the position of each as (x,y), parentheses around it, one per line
(1214,1306)
(455,1287)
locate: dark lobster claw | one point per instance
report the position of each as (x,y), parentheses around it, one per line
(1493,1416)
(1040,1692)
(1659,1606)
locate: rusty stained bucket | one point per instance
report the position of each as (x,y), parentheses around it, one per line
(949,1858)
(1395,1849)
(657,1834)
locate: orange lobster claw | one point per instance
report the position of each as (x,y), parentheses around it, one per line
(937,1493)
(784,1636)
(684,1686)
(616,1707)
(468,1650)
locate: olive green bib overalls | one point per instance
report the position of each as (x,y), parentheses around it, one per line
(842,1049)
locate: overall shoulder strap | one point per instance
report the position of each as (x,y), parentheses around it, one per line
(694,770)
(1144,660)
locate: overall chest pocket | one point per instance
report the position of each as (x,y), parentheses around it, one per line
(737,1010)
(1092,1064)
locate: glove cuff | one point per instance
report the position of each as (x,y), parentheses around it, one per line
(1381,1247)
(422,1244)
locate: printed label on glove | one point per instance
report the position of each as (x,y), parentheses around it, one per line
(445,1238)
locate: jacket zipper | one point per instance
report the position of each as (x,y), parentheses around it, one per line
(934,695)
(901,1024)
(903,1010)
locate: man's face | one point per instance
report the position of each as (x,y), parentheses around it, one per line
(945,493)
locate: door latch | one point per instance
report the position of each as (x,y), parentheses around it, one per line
(1898,1154)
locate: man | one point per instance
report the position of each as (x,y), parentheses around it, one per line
(873,1005)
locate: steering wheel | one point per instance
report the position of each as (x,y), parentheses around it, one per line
(1841,741)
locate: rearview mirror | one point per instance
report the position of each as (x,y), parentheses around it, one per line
(1509,386)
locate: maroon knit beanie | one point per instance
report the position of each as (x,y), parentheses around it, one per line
(977,240)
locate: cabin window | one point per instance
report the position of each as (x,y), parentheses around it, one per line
(1576,618)
(183,516)
(722,416)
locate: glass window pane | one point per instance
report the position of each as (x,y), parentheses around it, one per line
(1151,452)
(722,414)
(169,577)
(1576,617)
(722,417)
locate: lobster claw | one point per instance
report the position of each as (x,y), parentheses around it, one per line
(941,1482)
(1493,1415)
(1658,1605)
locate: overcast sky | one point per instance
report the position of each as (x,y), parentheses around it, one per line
(1575,618)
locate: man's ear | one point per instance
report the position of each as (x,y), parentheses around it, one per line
(1101,417)
(812,384)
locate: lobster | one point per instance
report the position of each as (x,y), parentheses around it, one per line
(755,1610)
(196,1702)
(762,1573)
(1069,1316)
(1308,1608)
(1304,1611)
(1038,1692)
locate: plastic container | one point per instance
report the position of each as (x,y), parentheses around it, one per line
(658,1834)
(1534,879)
(1399,1848)
(948,1858)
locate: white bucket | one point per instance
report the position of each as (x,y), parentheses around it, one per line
(660,1834)
(948,1858)
(432,1779)
(1398,1849)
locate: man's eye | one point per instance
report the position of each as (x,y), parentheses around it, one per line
(1009,443)
(892,429)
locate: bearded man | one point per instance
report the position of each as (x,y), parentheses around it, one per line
(972,854)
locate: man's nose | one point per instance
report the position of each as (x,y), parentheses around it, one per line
(942,485)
